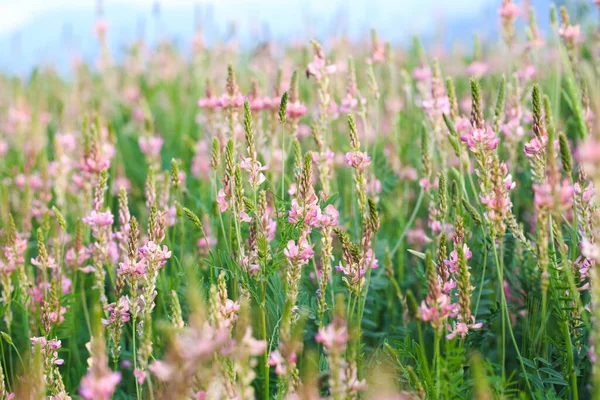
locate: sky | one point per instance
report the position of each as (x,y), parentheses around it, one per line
(16,13)
(45,31)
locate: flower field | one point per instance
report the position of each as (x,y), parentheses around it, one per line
(335,219)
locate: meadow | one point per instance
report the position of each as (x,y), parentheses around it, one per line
(336,220)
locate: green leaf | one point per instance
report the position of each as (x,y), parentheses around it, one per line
(417,253)
(556,381)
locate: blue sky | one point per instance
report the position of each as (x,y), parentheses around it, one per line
(38,31)
(16,13)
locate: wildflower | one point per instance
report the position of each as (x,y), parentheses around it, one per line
(153,253)
(570,33)
(481,140)
(452,262)
(210,101)
(118,312)
(49,349)
(461,329)
(151,146)
(99,219)
(477,69)
(99,386)
(357,159)
(132,268)
(254,168)
(332,337)
(276,360)
(329,217)
(295,109)
(422,73)
(535,146)
(318,67)
(377,49)
(299,254)
(3,147)
(508,12)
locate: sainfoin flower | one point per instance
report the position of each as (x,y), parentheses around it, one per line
(255,170)
(570,33)
(332,336)
(99,387)
(535,146)
(98,219)
(299,253)
(153,253)
(480,140)
(117,312)
(151,145)
(439,311)
(357,159)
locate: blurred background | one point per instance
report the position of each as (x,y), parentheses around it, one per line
(34,32)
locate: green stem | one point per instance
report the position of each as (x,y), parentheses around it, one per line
(264,335)
(504,317)
(409,223)
(436,361)
(137,385)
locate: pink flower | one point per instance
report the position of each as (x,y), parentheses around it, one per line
(100,27)
(317,68)
(417,237)
(535,146)
(422,73)
(589,152)
(201,161)
(118,312)
(101,387)
(276,360)
(477,69)
(299,254)
(153,253)
(295,110)
(480,140)
(229,309)
(95,163)
(210,103)
(332,336)
(586,194)
(408,173)
(162,370)
(151,146)
(244,217)
(49,263)
(139,375)
(329,217)
(570,33)
(48,348)
(3,147)
(227,101)
(436,313)
(132,269)
(98,219)
(527,72)
(437,106)
(254,168)
(508,10)
(542,195)
(425,184)
(462,328)
(452,263)
(221,200)
(357,159)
